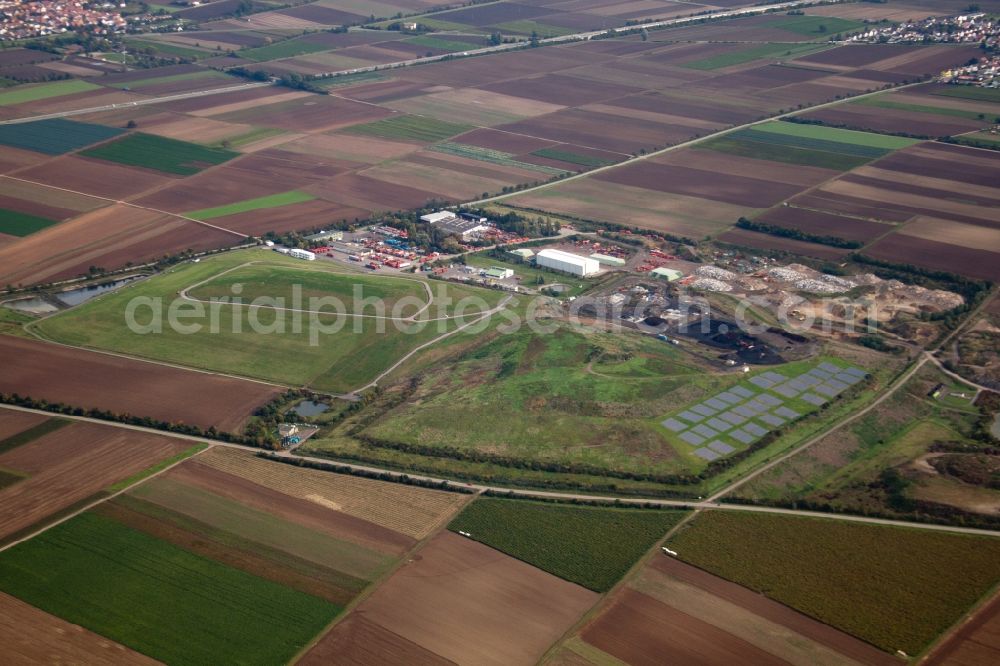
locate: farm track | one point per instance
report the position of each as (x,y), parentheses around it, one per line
(697,505)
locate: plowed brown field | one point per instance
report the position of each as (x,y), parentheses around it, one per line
(72,464)
(123,385)
(466,603)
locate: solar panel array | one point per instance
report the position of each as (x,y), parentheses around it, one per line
(742,414)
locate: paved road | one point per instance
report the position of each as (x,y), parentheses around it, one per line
(698,505)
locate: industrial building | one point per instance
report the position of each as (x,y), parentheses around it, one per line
(522,253)
(497,273)
(335,235)
(607,259)
(567,262)
(302,254)
(440,216)
(464,229)
(668,274)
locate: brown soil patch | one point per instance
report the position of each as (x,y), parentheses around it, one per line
(900,248)
(471,604)
(13,422)
(894,120)
(824,224)
(955,233)
(31,636)
(735,165)
(15,158)
(109,237)
(300,511)
(676,179)
(103,381)
(505,141)
(415,512)
(361,191)
(644,632)
(359,642)
(97,177)
(767,242)
(74,463)
(975,643)
(314,113)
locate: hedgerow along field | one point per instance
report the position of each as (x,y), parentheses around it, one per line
(589,545)
(412,128)
(341,360)
(161,154)
(157,598)
(55,136)
(896,588)
(15,223)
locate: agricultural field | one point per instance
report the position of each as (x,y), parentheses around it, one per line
(893,587)
(14,223)
(711,620)
(55,467)
(913,453)
(55,136)
(298,354)
(33,93)
(410,128)
(121,385)
(431,611)
(180,607)
(259,203)
(161,154)
(590,546)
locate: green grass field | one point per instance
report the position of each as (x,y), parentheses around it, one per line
(732,144)
(161,154)
(772,51)
(895,588)
(558,398)
(188,76)
(835,135)
(969,92)
(412,128)
(286,49)
(442,44)
(326,352)
(54,136)
(818,26)
(591,546)
(349,80)
(166,48)
(259,281)
(36,91)
(885,102)
(157,598)
(269,201)
(14,223)
(808,145)
(573,158)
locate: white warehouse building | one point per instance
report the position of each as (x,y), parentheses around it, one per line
(567,262)
(302,254)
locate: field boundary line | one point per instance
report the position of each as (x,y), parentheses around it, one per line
(208,445)
(377,583)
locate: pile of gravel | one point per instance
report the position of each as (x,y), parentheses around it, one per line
(708,284)
(715,273)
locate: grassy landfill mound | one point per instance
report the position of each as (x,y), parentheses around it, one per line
(591,546)
(896,588)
